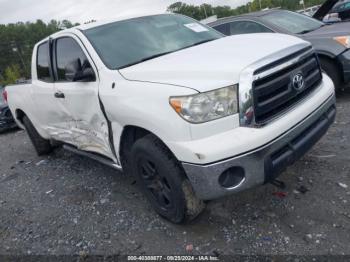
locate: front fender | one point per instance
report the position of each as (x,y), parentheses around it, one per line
(146,105)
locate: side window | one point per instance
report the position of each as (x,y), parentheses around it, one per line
(223,28)
(67,51)
(247,27)
(42,64)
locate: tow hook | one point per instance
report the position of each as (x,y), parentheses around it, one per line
(278,183)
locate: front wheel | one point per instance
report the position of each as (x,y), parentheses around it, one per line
(163,181)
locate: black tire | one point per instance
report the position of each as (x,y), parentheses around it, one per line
(333,71)
(41,145)
(163,181)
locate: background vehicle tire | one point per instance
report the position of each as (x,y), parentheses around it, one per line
(332,70)
(163,181)
(41,145)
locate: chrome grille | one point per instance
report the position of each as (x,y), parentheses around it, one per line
(273,93)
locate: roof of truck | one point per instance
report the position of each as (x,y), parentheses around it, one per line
(116,19)
(102,22)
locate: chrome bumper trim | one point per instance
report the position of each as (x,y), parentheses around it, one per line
(204,178)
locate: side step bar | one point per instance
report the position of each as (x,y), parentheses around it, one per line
(103,160)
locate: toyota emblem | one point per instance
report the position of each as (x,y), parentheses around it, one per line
(298,81)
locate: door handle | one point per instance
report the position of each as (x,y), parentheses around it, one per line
(59,95)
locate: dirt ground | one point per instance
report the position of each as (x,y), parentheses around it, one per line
(65,204)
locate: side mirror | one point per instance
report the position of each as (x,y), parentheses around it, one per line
(71,69)
(74,71)
(86,75)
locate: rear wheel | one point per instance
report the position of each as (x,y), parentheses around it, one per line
(332,70)
(163,181)
(41,145)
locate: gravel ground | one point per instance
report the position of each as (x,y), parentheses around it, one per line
(66,204)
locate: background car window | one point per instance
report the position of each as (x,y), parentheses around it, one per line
(42,66)
(292,22)
(247,27)
(67,50)
(223,28)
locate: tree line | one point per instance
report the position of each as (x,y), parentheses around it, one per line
(203,11)
(16,45)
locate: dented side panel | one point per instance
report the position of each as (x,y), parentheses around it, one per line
(83,120)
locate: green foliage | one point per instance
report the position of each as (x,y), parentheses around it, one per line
(17,42)
(205,10)
(12,73)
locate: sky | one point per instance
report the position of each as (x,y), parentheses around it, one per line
(12,11)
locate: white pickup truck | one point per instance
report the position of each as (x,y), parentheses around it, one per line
(192,114)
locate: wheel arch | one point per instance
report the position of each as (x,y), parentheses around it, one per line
(130,134)
(19,114)
(333,61)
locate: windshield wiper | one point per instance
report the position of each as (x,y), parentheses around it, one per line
(165,53)
(201,42)
(306,31)
(154,56)
(310,30)
(145,59)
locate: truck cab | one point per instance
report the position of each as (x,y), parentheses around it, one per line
(193,115)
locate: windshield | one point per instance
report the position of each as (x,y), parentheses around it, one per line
(292,22)
(124,43)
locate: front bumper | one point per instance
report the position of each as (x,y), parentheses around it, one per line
(344,59)
(267,162)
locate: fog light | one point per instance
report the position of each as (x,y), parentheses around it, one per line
(231,177)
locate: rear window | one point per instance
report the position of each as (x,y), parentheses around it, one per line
(43,64)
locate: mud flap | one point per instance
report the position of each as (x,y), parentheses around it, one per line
(194,206)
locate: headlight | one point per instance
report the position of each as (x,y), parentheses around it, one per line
(343,40)
(204,107)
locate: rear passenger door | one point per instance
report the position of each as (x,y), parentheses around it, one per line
(47,114)
(80,100)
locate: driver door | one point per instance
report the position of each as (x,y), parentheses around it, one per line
(86,125)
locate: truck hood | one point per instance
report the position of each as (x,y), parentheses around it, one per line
(337,29)
(211,65)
